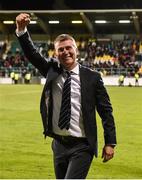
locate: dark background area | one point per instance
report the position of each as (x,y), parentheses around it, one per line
(69,4)
(67,10)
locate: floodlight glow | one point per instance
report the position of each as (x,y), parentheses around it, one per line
(77,22)
(124,21)
(33,22)
(53,22)
(8,22)
(100,21)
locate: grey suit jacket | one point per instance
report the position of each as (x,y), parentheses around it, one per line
(93,96)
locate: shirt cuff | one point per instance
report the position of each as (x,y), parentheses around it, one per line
(20,33)
(112,145)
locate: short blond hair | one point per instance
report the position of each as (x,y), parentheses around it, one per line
(64,37)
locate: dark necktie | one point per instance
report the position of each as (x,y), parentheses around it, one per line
(65,112)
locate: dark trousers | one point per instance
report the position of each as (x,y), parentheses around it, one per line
(72,158)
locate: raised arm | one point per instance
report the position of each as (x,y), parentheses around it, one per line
(42,64)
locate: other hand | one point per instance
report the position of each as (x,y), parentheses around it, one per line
(107,153)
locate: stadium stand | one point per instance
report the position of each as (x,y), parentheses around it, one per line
(110,58)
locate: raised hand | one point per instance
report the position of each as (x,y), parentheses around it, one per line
(22,20)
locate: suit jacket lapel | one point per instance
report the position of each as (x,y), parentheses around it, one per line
(46,101)
(84,83)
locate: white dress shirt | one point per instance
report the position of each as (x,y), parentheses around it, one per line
(76,125)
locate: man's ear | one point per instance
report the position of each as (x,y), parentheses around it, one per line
(77,51)
(55,53)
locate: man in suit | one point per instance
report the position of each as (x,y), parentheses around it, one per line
(74,133)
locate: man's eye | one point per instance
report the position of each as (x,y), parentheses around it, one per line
(61,49)
(68,47)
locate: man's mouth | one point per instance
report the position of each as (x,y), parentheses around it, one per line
(67,57)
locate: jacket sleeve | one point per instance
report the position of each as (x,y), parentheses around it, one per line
(33,55)
(105,110)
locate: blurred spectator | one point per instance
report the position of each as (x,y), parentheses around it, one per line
(27,78)
(12,75)
(16,78)
(121,80)
(136,79)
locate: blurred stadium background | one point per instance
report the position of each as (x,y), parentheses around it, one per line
(109,39)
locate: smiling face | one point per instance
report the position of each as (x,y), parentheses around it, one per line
(66,52)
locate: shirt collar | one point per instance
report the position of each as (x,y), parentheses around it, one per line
(75,70)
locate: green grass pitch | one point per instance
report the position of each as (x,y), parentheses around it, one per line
(25,154)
